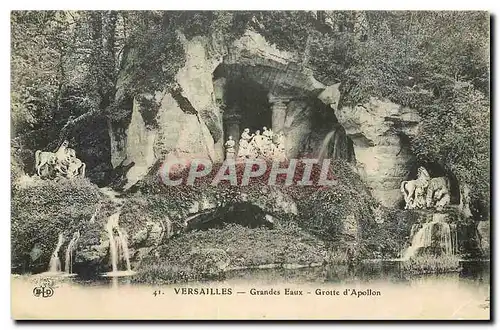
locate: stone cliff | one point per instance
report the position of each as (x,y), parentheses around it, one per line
(222,89)
(381,132)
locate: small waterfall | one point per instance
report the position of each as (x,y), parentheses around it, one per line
(68,263)
(118,246)
(112,222)
(424,238)
(55,262)
(325,146)
(445,238)
(123,247)
(336,145)
(421,239)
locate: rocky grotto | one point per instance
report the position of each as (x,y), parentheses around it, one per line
(120,217)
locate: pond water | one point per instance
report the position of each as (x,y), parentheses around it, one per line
(371,290)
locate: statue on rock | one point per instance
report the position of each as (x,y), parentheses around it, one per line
(266,145)
(63,163)
(244,149)
(408,189)
(426,192)
(279,147)
(438,193)
(45,161)
(268,133)
(257,145)
(230,148)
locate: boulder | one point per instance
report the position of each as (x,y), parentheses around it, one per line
(380,131)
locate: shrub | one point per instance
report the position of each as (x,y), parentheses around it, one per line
(387,238)
(41,210)
(336,213)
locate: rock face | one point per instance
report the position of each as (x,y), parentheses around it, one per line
(180,124)
(253,209)
(483,229)
(189,119)
(380,131)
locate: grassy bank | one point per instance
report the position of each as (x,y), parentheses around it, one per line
(207,254)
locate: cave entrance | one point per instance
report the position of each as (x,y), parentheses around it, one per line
(246,106)
(244,101)
(243,213)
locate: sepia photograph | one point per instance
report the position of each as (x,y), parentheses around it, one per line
(250,165)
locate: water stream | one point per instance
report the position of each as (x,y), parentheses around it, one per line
(55,262)
(325,145)
(68,263)
(335,145)
(118,246)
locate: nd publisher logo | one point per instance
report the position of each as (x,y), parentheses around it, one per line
(42,291)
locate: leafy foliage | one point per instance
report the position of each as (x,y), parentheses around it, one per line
(43,209)
(456,134)
(325,211)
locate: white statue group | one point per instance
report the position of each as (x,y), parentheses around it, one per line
(426,192)
(63,163)
(256,145)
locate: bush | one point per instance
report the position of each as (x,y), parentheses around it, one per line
(43,209)
(140,210)
(386,239)
(336,213)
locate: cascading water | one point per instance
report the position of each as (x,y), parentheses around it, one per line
(112,222)
(445,238)
(339,145)
(423,238)
(325,146)
(118,246)
(123,247)
(55,262)
(68,263)
(336,145)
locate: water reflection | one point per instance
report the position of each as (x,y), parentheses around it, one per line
(473,273)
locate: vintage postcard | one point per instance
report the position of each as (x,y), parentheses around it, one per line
(250,165)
